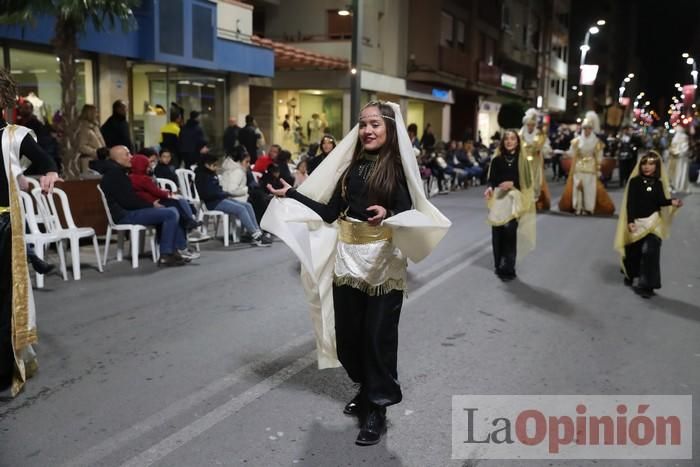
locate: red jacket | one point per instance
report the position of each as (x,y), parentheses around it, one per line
(143,184)
(262,163)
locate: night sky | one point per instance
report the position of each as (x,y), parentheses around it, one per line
(666,30)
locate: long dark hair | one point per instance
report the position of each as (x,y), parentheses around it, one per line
(502,145)
(388,171)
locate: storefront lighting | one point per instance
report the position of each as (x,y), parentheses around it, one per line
(353,71)
(280,101)
(344,12)
(58,59)
(162,70)
(184,81)
(199,85)
(213,86)
(16,72)
(38,71)
(220,80)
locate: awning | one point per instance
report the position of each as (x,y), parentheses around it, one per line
(288,57)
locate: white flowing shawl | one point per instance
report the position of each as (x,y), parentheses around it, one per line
(415,232)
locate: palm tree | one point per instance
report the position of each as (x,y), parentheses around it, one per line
(72,18)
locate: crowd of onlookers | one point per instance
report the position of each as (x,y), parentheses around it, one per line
(235,180)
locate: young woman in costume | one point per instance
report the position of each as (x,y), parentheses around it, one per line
(353,224)
(645,220)
(511,204)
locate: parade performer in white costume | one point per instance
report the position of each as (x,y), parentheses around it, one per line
(353,224)
(678,160)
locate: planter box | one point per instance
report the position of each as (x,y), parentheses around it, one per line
(86,204)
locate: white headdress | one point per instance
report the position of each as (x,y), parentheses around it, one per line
(530,116)
(415,232)
(591,121)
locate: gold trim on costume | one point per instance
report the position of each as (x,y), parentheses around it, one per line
(4,209)
(356,233)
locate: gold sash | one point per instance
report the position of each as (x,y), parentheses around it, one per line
(356,233)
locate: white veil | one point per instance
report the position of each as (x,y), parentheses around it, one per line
(415,232)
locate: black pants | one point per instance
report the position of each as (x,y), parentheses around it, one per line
(642,260)
(367,338)
(6,355)
(556,167)
(505,245)
(626,166)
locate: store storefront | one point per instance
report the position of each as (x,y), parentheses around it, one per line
(487,120)
(153,89)
(38,79)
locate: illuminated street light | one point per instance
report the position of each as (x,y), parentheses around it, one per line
(631,75)
(685,55)
(601,22)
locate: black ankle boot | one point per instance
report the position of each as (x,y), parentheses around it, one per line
(39,265)
(373,426)
(354,406)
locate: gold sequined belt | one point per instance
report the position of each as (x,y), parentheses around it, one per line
(4,209)
(361,232)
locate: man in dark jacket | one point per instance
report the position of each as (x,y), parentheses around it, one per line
(46,142)
(231,136)
(127,208)
(248,137)
(192,141)
(116,129)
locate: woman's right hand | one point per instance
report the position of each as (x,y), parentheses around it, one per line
(505,186)
(488,193)
(281,192)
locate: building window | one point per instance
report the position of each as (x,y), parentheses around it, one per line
(460,34)
(505,21)
(339,27)
(202,32)
(39,81)
(170,15)
(446,30)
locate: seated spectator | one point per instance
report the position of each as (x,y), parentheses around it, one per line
(152,156)
(214,197)
(263,162)
(328,143)
(101,164)
(234,174)
(282,161)
(164,168)
(272,177)
(146,189)
(127,208)
(300,175)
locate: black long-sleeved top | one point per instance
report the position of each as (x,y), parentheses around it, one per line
(41,161)
(642,202)
(504,171)
(208,187)
(119,192)
(356,202)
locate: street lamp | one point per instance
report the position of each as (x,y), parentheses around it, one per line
(356,60)
(623,85)
(586,47)
(691,61)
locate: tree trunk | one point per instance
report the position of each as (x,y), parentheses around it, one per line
(66,44)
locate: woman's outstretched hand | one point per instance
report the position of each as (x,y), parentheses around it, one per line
(281,192)
(380,215)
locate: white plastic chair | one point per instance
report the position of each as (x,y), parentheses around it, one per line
(34,185)
(166,184)
(47,204)
(41,240)
(134,231)
(189,191)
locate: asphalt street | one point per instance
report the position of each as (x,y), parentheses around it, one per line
(213,363)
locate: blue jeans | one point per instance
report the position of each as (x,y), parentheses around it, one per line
(172,235)
(243,211)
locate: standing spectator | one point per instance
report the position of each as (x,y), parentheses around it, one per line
(214,197)
(127,208)
(248,137)
(116,129)
(192,142)
(412,130)
(46,142)
(627,150)
(89,136)
(170,134)
(428,141)
(231,136)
